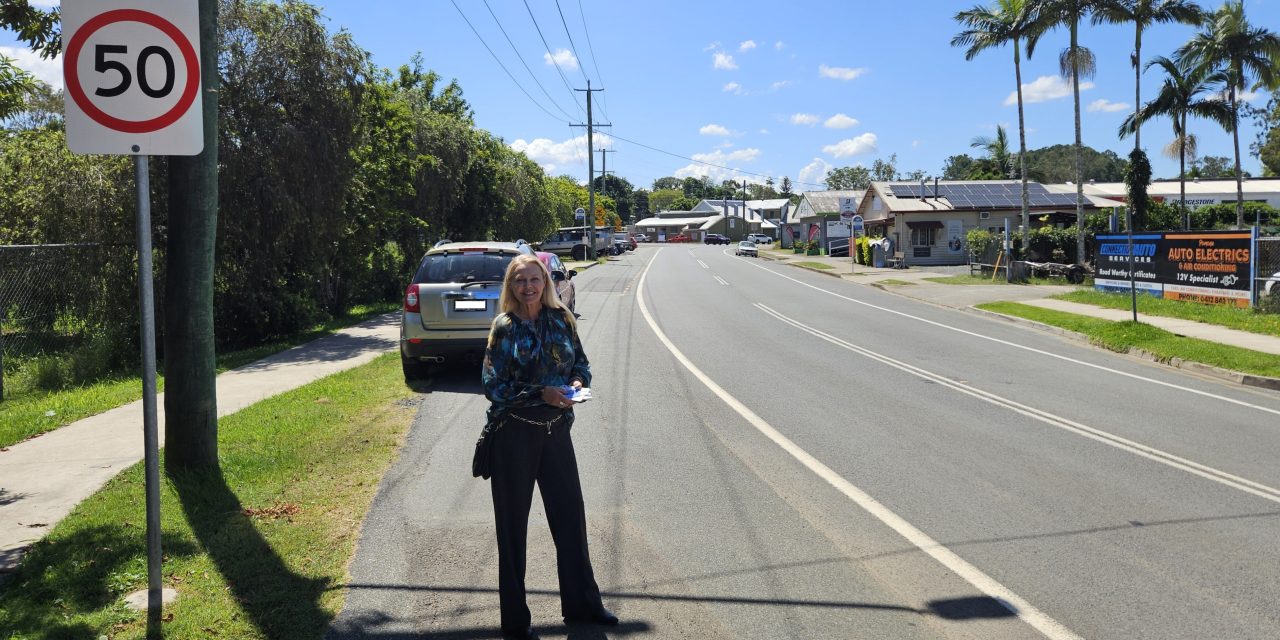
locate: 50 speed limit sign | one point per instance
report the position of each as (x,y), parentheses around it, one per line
(132,72)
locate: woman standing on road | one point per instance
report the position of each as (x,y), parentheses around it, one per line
(533,352)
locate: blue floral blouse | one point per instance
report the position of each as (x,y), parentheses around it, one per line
(522,357)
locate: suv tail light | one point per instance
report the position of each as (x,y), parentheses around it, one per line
(411,299)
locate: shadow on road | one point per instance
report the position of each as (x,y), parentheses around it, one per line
(450,378)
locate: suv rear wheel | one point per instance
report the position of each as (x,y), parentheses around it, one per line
(414,370)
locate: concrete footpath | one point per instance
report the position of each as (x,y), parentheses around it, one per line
(43,479)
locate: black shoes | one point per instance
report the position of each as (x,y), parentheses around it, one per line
(599,616)
(520,634)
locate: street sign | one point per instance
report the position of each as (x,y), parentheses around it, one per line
(580,213)
(132,76)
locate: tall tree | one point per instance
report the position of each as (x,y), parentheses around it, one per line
(1186,91)
(1246,53)
(856,178)
(1004,22)
(1073,63)
(1143,14)
(190,398)
(37,29)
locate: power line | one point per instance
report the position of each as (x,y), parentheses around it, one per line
(604,104)
(571,45)
(526,65)
(551,54)
(504,67)
(710,164)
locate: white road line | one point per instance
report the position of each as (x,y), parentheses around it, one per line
(1015,345)
(704,265)
(1222,477)
(1041,622)
(721,281)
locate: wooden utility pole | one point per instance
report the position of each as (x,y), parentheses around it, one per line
(591,172)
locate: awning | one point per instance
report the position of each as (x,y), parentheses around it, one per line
(924,224)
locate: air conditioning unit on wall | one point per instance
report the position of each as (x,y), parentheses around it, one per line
(984,215)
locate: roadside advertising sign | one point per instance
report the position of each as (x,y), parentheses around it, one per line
(858,227)
(848,205)
(1213,267)
(132,75)
(580,213)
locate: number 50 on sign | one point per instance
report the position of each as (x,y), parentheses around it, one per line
(132,71)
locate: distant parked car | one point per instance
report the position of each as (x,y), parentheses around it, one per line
(562,278)
(679,237)
(451,302)
(1272,286)
(747,248)
(625,239)
(640,237)
(715,238)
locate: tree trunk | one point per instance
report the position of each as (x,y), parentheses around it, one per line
(1182,174)
(1075,89)
(1022,151)
(1235,138)
(1137,88)
(190,399)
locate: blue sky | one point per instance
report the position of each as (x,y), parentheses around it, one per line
(753,86)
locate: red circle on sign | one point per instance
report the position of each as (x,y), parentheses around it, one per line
(103,118)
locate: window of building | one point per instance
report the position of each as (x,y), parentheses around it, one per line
(922,236)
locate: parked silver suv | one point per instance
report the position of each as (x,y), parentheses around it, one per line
(451,303)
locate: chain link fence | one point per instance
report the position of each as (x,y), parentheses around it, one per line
(1267,287)
(66,311)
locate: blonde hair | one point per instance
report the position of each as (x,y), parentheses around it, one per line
(507,302)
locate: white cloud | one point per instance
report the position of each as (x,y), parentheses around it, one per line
(779,46)
(563,59)
(764,131)
(552,155)
(733,87)
(717,157)
(713,130)
(815,171)
(804,118)
(1242,96)
(915,144)
(780,84)
(840,121)
(47,71)
(746,46)
(1102,104)
(45,4)
(712,47)
(1043,89)
(722,60)
(840,73)
(865,143)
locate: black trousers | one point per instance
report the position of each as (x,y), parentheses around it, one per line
(525,454)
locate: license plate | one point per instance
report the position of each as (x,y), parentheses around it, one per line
(470,305)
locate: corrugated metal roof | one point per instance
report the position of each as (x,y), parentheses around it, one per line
(827,202)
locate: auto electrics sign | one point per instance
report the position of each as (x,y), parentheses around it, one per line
(132,73)
(1213,267)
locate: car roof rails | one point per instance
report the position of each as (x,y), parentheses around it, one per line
(442,242)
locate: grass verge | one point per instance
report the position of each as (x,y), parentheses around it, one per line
(258,551)
(813,265)
(1165,346)
(1233,317)
(28,412)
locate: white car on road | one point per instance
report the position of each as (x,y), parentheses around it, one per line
(747,248)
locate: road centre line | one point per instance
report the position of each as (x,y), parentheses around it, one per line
(1015,345)
(721,281)
(1222,477)
(1020,607)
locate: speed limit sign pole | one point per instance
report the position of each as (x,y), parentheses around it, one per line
(132,76)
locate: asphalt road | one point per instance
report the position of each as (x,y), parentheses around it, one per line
(772,453)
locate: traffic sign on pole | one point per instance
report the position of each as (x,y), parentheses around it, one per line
(132,75)
(858,227)
(580,213)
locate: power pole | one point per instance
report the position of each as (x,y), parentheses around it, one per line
(604,175)
(591,172)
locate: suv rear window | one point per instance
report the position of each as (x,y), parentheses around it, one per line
(462,267)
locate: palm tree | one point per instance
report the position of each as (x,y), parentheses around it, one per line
(1004,22)
(1187,91)
(1143,14)
(1244,51)
(1074,61)
(998,154)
